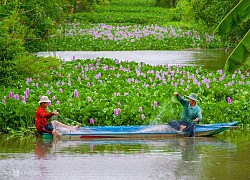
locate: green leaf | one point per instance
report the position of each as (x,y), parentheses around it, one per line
(240,54)
(238,15)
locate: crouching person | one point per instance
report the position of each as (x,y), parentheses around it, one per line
(191,114)
(42,117)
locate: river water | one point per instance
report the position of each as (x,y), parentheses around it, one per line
(32,157)
(212,59)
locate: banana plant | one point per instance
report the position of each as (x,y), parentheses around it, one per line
(237,16)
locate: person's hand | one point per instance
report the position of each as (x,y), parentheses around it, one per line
(55,112)
(196,120)
(176,93)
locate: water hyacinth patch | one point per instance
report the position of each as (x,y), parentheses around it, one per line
(133,37)
(117,101)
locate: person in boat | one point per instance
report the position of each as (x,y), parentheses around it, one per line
(42,117)
(191,114)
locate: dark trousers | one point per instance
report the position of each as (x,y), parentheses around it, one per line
(190,127)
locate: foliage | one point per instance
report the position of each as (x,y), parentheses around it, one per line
(12,34)
(112,92)
(166,3)
(182,12)
(124,12)
(240,55)
(238,15)
(211,12)
(21,22)
(74,6)
(29,66)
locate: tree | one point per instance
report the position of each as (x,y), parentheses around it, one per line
(237,16)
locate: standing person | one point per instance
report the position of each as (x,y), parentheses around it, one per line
(42,117)
(191,114)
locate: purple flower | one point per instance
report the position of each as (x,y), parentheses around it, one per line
(60,90)
(53,98)
(89,99)
(16,97)
(27,91)
(24,99)
(58,102)
(105,67)
(48,92)
(229,101)
(63,60)
(91,121)
(10,94)
(75,93)
(97,76)
(3,101)
(142,116)
(118,103)
(69,83)
(155,104)
(88,84)
(140,109)
(117,111)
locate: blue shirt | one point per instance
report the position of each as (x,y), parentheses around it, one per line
(189,113)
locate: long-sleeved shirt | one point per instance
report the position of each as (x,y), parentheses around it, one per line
(189,113)
(41,118)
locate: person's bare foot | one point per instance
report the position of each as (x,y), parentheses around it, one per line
(182,128)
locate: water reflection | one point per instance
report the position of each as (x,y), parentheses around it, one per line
(174,158)
(213,59)
(185,146)
(42,147)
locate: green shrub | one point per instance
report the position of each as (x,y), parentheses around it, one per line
(166,3)
(32,66)
(12,34)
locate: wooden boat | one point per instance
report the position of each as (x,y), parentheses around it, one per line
(139,132)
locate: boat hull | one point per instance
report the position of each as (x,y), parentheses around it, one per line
(138,132)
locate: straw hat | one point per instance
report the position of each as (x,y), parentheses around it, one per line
(192,96)
(44,99)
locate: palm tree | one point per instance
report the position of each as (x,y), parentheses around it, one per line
(237,16)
